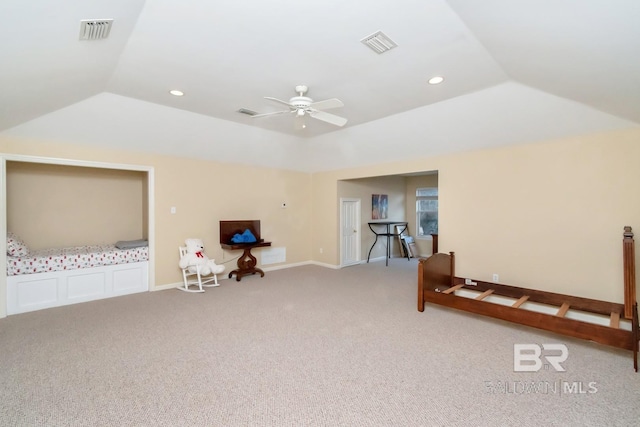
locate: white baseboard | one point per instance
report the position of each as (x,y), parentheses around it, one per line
(176,284)
(165,287)
(273,268)
(322,264)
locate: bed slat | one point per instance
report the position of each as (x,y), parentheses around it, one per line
(484,294)
(452,289)
(563,309)
(521,301)
(615,320)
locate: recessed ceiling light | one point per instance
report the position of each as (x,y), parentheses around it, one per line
(176,92)
(436,80)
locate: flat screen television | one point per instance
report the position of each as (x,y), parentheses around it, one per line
(228,229)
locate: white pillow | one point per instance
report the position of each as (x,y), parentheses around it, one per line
(15,246)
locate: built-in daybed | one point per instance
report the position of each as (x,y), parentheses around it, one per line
(61,276)
(603,322)
(58,202)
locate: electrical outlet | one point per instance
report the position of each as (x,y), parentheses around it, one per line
(496,278)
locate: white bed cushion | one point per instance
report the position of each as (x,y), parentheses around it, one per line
(15,246)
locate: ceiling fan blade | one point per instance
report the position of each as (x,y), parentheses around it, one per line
(279,101)
(270,114)
(327,104)
(329,118)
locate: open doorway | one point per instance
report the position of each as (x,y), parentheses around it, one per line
(401,191)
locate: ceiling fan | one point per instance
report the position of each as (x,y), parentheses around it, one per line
(302,106)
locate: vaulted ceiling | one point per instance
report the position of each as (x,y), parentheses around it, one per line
(514,72)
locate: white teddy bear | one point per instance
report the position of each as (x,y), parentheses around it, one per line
(195,257)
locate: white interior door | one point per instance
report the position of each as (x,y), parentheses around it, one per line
(350,241)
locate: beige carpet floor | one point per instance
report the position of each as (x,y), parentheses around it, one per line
(305,346)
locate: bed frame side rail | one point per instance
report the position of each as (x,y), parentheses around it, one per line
(614,337)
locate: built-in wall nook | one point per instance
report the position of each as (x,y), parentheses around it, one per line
(100,215)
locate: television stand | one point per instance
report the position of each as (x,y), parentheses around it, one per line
(246,262)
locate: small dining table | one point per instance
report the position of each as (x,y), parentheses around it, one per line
(384,229)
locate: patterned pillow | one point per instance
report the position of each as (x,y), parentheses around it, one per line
(15,246)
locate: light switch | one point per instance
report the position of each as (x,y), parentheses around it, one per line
(173,209)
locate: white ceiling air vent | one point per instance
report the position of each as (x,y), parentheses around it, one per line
(379,42)
(247,112)
(95,29)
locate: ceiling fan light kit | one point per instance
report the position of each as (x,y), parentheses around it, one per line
(302,105)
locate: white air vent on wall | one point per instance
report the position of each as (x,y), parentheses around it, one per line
(95,29)
(379,42)
(273,256)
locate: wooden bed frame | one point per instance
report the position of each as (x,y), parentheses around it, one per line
(438,284)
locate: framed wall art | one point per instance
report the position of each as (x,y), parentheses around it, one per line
(379,206)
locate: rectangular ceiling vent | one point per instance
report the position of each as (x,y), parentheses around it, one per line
(379,42)
(247,112)
(95,29)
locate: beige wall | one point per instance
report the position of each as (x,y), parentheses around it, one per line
(548,216)
(363,189)
(56,206)
(204,193)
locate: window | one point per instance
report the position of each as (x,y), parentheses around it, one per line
(427,211)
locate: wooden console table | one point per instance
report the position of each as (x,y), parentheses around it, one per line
(247,262)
